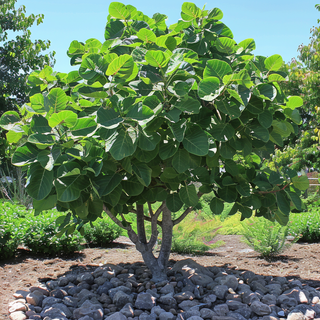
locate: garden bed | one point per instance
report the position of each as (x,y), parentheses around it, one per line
(299,261)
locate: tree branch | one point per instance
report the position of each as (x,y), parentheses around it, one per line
(154,223)
(273,191)
(150,209)
(140,224)
(186,212)
(115,219)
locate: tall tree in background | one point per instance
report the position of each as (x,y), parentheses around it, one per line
(19,55)
(303,151)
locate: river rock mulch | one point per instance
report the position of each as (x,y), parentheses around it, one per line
(193,291)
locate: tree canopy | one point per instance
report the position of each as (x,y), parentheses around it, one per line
(19,55)
(157,114)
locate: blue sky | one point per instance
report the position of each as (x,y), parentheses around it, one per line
(277,26)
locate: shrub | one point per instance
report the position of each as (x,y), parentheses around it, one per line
(195,235)
(41,236)
(266,237)
(101,232)
(306,225)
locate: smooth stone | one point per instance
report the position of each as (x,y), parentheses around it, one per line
(260,308)
(145,301)
(18,315)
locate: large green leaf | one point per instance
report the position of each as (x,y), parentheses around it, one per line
(294,102)
(70,186)
(45,204)
(189,11)
(84,127)
(216,68)
(40,124)
(168,149)
(255,105)
(230,108)
(174,202)
(40,182)
(181,161)
(196,141)
(105,184)
(216,205)
(273,63)
(122,67)
(146,35)
(123,146)
(207,88)
(228,194)
(57,99)
(9,119)
(108,118)
(265,118)
(178,129)
(226,45)
(114,29)
(66,117)
(283,202)
(25,155)
(93,66)
(143,173)
(132,187)
(119,11)
(42,139)
(188,195)
(157,58)
(300,182)
(188,104)
(222,132)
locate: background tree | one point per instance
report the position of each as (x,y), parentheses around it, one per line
(19,56)
(152,113)
(302,151)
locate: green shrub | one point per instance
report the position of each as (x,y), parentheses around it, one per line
(101,232)
(266,237)
(306,225)
(195,235)
(11,228)
(40,236)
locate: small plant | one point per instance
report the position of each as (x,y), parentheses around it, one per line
(266,237)
(195,235)
(101,232)
(41,236)
(306,225)
(8,240)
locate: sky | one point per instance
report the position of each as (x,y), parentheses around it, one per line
(277,26)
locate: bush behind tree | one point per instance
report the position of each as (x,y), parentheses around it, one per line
(153,112)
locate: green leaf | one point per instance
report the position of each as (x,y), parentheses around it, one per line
(105,184)
(260,133)
(40,124)
(207,88)
(281,218)
(69,187)
(123,146)
(147,36)
(9,119)
(294,102)
(108,118)
(13,137)
(42,139)
(155,194)
(40,182)
(189,11)
(295,199)
(273,63)
(157,58)
(300,182)
(45,204)
(174,202)
(216,68)
(216,206)
(181,161)
(178,129)
(225,45)
(275,178)
(143,173)
(283,202)
(226,150)
(57,99)
(119,11)
(66,117)
(132,187)
(196,141)
(113,198)
(188,104)
(114,29)
(265,119)
(148,142)
(222,132)
(230,108)
(255,105)
(140,112)
(25,155)
(84,127)
(121,67)
(243,189)
(228,194)
(294,115)
(215,14)
(168,149)
(188,195)
(267,92)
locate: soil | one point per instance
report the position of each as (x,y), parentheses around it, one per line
(300,261)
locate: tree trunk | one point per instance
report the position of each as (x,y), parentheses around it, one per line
(157,266)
